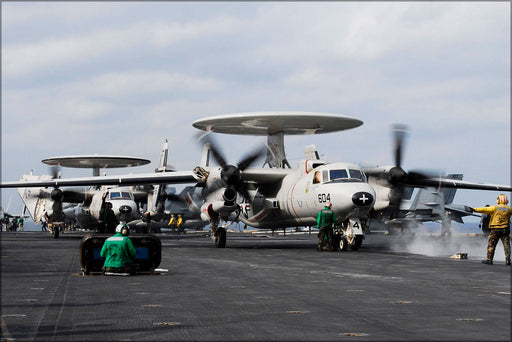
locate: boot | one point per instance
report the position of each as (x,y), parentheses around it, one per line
(507,262)
(487,262)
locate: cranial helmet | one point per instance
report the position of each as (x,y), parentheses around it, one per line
(502,199)
(123,229)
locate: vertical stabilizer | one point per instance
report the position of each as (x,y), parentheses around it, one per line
(449,194)
(205,156)
(36,200)
(156,199)
(311,153)
(428,199)
(162,164)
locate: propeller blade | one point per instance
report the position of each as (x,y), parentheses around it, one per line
(216,185)
(55,171)
(395,199)
(242,189)
(173,198)
(230,175)
(399,132)
(422,178)
(251,158)
(217,154)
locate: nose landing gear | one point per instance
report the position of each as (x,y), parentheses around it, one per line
(350,233)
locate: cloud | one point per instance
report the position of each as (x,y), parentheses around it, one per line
(145,82)
(164,34)
(53,54)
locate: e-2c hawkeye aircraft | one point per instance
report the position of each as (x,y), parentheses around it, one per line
(84,205)
(280,196)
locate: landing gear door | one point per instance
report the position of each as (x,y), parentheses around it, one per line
(354,227)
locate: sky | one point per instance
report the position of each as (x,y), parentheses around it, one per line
(117,78)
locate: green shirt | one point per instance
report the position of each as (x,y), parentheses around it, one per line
(325,218)
(118,251)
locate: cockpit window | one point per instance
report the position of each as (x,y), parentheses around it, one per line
(351,175)
(357,174)
(125,195)
(338,174)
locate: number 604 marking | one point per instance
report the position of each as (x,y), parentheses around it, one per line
(322,198)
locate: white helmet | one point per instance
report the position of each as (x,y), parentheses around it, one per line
(123,229)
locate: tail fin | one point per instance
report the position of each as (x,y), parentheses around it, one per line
(435,199)
(205,156)
(311,153)
(156,201)
(449,194)
(162,165)
(36,200)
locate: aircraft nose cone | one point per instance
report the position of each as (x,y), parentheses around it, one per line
(362,199)
(125,209)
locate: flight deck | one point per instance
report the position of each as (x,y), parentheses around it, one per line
(257,288)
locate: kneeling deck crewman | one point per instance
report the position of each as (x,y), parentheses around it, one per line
(119,252)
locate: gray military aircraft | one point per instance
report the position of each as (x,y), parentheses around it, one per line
(285,197)
(281,196)
(8,221)
(83,206)
(429,204)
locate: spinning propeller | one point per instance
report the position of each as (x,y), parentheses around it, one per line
(231,175)
(57,196)
(398,177)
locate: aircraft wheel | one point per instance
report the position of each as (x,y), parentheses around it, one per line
(342,244)
(56,231)
(220,238)
(358,240)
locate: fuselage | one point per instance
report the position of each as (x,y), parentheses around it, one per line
(123,204)
(305,192)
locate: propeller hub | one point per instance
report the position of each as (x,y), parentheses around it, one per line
(56,195)
(397,175)
(231,175)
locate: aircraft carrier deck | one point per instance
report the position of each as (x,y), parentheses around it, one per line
(257,288)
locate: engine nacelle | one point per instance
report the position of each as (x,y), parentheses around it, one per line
(379,180)
(229,196)
(212,210)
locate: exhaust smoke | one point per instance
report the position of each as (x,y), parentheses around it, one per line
(427,240)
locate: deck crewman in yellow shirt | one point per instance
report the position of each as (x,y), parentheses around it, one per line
(500,227)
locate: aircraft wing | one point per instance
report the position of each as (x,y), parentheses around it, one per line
(419,179)
(260,175)
(74,196)
(457,212)
(133,179)
(459,184)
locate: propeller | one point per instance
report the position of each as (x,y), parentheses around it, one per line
(57,196)
(397,176)
(231,175)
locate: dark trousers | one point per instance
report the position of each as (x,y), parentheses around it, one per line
(495,235)
(325,232)
(124,269)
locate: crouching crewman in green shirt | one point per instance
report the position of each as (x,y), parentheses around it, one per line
(119,252)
